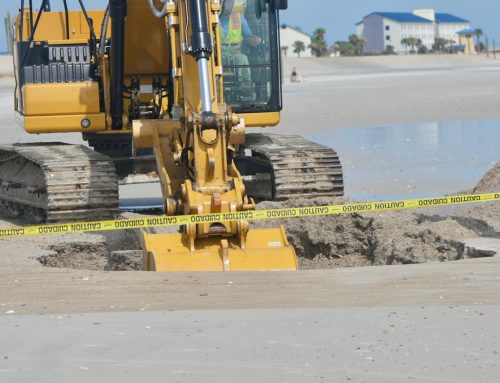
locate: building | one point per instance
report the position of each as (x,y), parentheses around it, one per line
(466,40)
(289,35)
(381,29)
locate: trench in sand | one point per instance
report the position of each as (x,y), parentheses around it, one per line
(321,242)
(401,237)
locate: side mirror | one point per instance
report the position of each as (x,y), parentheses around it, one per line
(260,6)
(227,7)
(281,4)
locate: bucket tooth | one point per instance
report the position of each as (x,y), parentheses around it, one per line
(266,249)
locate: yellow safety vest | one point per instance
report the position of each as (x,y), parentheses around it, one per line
(234,31)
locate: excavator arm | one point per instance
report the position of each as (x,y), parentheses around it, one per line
(194,150)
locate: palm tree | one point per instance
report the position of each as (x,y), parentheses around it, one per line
(298,47)
(419,45)
(439,44)
(478,32)
(336,49)
(285,50)
(319,33)
(405,43)
(318,44)
(412,42)
(358,43)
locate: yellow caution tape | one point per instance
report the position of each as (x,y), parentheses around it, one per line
(255,215)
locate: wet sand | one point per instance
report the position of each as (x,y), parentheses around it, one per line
(373,91)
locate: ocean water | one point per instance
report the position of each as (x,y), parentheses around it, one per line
(392,162)
(414,160)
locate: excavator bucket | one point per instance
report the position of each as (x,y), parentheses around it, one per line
(265,249)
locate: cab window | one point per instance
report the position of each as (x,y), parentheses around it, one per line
(250,57)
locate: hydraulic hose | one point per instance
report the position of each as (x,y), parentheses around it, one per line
(104,31)
(118,13)
(158,13)
(32,37)
(66,15)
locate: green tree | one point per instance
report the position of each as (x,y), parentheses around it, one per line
(298,47)
(345,48)
(318,45)
(478,32)
(422,50)
(404,43)
(419,44)
(439,44)
(358,43)
(389,50)
(336,48)
(285,50)
(412,42)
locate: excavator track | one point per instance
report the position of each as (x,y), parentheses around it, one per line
(282,167)
(118,147)
(54,182)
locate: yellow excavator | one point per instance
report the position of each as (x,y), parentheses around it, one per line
(176,81)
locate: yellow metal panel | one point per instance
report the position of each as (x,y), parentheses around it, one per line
(146,41)
(144,131)
(266,249)
(52,26)
(61,98)
(66,42)
(255,120)
(63,124)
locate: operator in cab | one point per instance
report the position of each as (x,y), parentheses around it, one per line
(235,32)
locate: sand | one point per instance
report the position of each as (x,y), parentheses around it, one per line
(6,69)
(434,321)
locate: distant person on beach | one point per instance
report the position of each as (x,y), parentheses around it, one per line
(296,77)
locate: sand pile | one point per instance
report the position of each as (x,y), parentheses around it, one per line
(490,183)
(402,237)
(78,255)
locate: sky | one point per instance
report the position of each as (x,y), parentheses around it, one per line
(339,17)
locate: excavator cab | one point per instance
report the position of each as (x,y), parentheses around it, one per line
(250,57)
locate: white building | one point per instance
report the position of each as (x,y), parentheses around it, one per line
(290,35)
(381,29)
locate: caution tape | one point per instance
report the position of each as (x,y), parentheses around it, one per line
(254,215)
